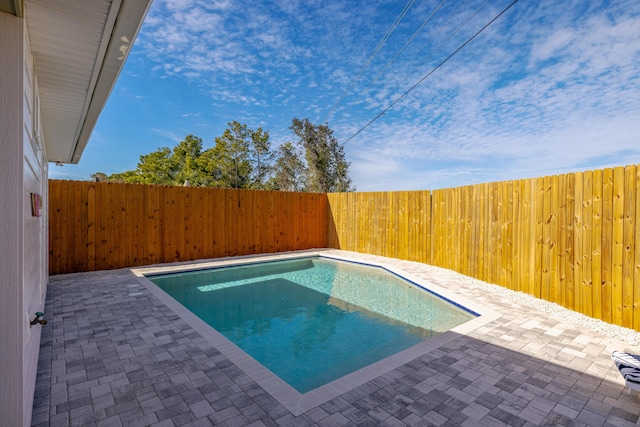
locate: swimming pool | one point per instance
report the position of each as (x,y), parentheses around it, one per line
(313,320)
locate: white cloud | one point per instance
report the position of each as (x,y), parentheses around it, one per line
(168,134)
(550,86)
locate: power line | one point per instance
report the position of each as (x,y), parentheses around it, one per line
(430,72)
(388,64)
(391,29)
(445,41)
(413,36)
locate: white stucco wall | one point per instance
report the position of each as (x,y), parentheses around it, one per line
(23,238)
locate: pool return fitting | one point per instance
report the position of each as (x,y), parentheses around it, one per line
(38,319)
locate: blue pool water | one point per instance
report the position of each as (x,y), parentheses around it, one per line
(313,320)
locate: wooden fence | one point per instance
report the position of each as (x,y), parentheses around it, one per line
(569,239)
(392,224)
(97,226)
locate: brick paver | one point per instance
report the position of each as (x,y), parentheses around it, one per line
(113,354)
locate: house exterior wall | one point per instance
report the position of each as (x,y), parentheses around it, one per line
(23,237)
(34,237)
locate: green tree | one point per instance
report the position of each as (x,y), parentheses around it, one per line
(184,161)
(228,164)
(167,166)
(131,177)
(156,168)
(289,171)
(153,168)
(99,177)
(327,168)
(261,158)
(242,158)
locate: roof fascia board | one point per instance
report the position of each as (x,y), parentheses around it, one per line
(100,59)
(128,21)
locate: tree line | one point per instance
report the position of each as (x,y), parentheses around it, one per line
(243,158)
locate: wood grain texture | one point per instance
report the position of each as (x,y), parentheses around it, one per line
(100,226)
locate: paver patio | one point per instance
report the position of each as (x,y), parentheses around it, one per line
(113,354)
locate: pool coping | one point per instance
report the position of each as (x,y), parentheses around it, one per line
(296,402)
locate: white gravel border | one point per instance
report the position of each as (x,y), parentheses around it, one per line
(630,336)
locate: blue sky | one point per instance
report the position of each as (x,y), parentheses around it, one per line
(550,87)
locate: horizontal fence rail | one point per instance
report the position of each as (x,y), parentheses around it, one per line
(570,239)
(100,226)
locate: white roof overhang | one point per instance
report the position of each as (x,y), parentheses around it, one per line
(79,48)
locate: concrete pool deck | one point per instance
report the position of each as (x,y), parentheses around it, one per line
(114,353)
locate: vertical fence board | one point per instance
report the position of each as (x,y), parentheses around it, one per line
(617,252)
(206,215)
(486,229)
(389,246)
(517,236)
(123,245)
(562,239)
(268,225)
(628,245)
(539,237)
(579,248)
(405,220)
(67,244)
(554,280)
(569,262)
(152,220)
(426,226)
(231,231)
(636,259)
(188,223)
(587,217)
(527,224)
(494,235)
(133,218)
(91,226)
(56,217)
(98,227)
(480,227)
(607,243)
(596,245)
(79,227)
(380,223)
(170,235)
(473,234)
(509,254)
(111,227)
(182,206)
(545,268)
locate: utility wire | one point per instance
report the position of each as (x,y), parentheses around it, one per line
(445,41)
(391,29)
(430,72)
(388,64)
(413,36)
